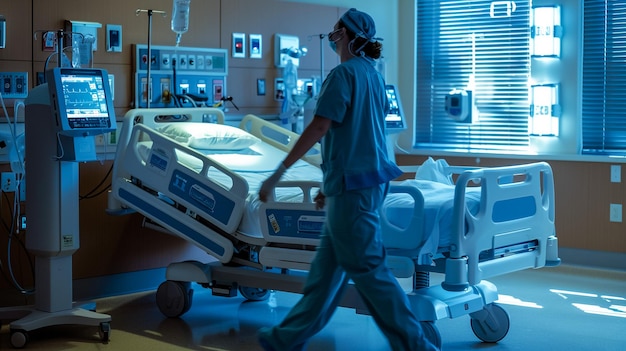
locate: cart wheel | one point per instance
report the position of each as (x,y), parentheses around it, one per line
(254,294)
(19,338)
(105,332)
(174,298)
(491,324)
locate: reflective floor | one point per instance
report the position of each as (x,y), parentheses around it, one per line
(550,309)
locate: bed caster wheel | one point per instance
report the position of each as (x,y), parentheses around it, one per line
(174,298)
(491,324)
(19,338)
(105,332)
(254,294)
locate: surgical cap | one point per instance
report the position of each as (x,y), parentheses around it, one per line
(360,23)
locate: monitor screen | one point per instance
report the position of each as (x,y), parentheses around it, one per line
(394,120)
(81,100)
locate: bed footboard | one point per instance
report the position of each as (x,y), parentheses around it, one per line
(513,228)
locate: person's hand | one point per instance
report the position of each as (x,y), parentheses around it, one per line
(320,200)
(268,185)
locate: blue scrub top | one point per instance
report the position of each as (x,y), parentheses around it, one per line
(354,150)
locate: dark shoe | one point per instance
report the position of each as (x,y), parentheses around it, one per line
(262,341)
(431,332)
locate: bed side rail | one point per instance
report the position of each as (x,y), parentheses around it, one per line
(295,222)
(152,117)
(412,236)
(164,171)
(516,208)
(278,137)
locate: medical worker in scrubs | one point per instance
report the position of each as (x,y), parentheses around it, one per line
(350,122)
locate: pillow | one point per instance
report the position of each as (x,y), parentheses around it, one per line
(209,136)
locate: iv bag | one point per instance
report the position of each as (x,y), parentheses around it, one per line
(180,16)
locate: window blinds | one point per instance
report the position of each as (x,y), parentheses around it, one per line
(604,77)
(477,45)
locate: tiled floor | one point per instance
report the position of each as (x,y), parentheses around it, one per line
(563,308)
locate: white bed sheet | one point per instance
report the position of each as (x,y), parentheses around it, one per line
(438,210)
(259,161)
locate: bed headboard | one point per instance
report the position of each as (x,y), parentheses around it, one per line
(153,116)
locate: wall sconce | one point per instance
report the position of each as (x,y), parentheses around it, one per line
(545,110)
(546,31)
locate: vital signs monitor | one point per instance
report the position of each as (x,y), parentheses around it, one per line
(394,120)
(81,101)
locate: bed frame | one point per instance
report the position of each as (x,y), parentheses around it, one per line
(486,242)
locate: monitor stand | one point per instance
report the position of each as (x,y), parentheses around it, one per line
(52,233)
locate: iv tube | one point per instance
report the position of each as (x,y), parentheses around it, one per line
(180,18)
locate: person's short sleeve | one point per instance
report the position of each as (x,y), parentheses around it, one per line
(334,98)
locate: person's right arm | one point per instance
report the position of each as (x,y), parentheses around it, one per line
(311,135)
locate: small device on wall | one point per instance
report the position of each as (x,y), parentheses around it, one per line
(239,45)
(114,38)
(279,89)
(459,105)
(256,46)
(282,44)
(3,32)
(89,30)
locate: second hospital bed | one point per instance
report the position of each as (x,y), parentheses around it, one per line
(193,176)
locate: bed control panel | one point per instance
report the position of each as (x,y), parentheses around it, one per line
(287,225)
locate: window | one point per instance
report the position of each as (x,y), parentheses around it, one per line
(604,77)
(479,46)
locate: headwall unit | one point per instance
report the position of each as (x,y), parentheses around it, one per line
(176,72)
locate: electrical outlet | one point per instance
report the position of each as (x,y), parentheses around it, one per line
(616,173)
(8,182)
(112,138)
(14,85)
(616,213)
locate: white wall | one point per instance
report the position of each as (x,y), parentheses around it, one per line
(395,23)
(385,14)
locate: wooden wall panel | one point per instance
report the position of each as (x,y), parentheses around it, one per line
(19,31)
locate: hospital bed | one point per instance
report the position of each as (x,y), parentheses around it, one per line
(192,176)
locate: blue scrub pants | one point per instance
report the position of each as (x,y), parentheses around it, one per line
(351,248)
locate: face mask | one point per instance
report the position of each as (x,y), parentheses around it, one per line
(332,45)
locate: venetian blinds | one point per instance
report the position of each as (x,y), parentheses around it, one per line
(604,77)
(481,46)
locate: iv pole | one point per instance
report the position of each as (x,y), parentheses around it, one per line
(149,60)
(321,36)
